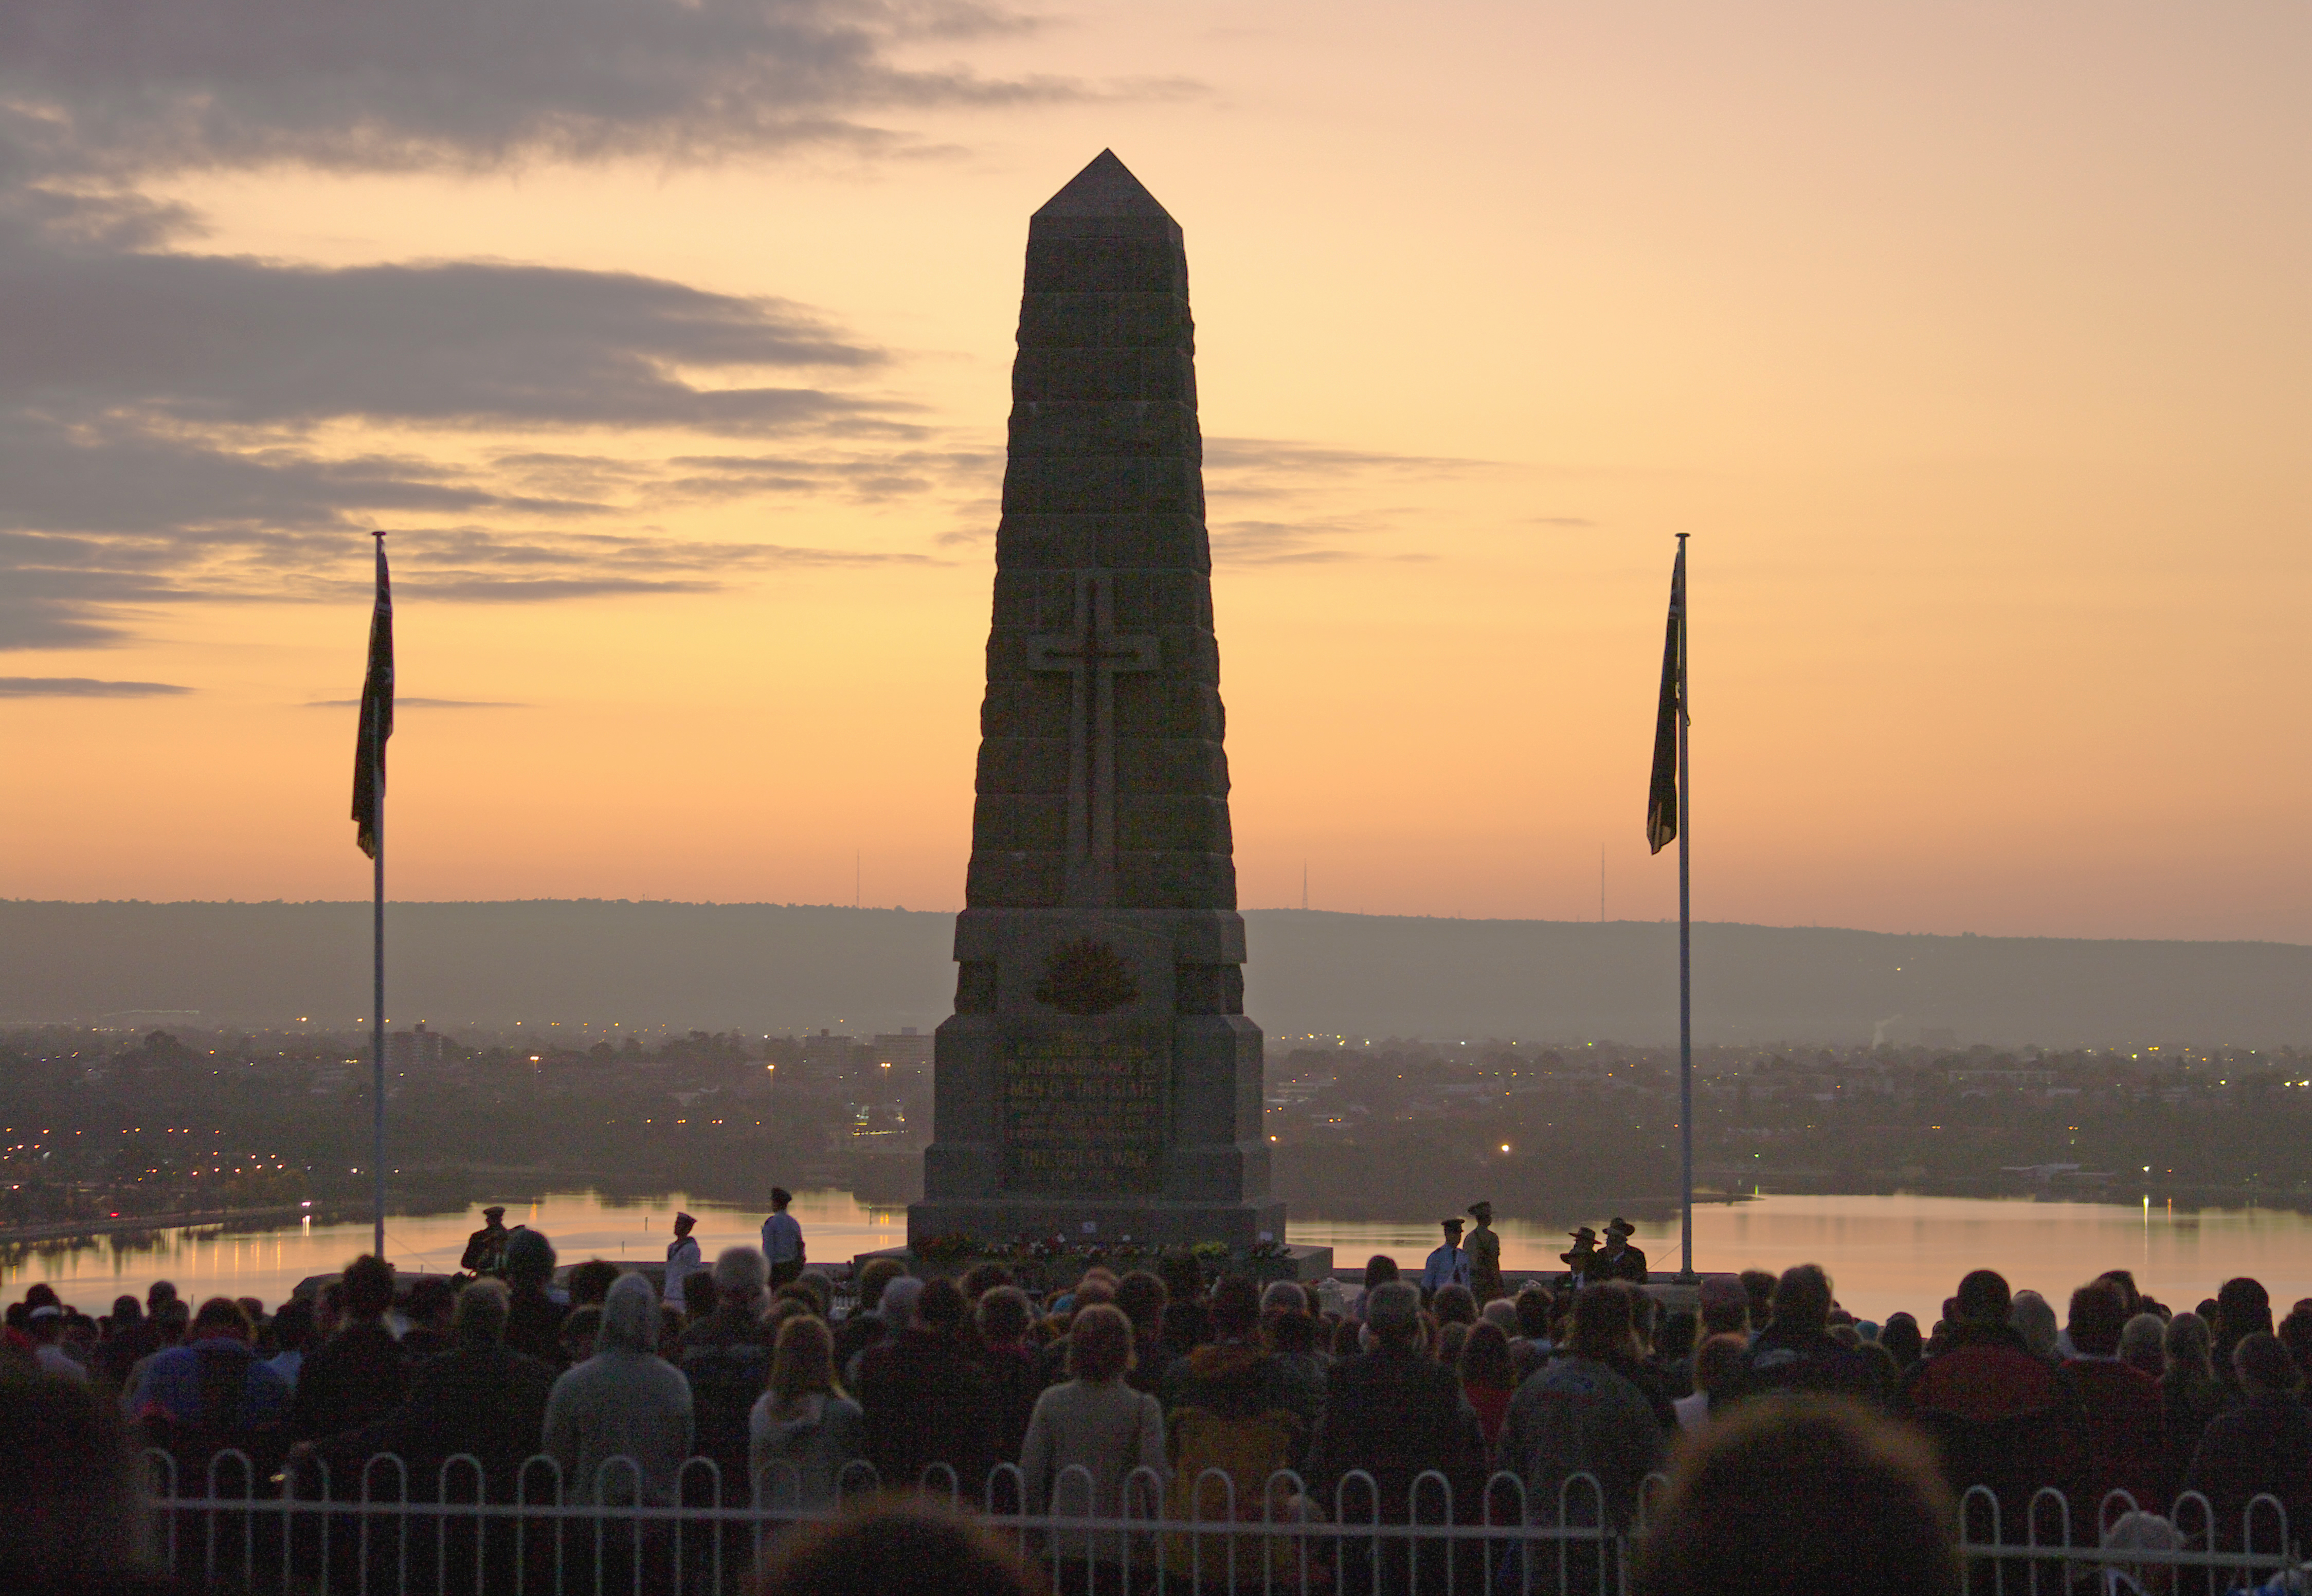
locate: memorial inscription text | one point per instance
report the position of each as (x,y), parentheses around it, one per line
(1084,1112)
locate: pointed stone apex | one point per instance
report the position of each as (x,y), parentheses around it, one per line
(1106,188)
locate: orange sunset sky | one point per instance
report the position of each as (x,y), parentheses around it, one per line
(1972,342)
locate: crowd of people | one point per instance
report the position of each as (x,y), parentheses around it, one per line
(1161,1393)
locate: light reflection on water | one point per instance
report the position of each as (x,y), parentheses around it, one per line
(1883,1252)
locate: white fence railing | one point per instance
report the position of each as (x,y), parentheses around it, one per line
(460,1532)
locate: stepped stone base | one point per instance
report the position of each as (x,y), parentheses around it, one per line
(1150,1221)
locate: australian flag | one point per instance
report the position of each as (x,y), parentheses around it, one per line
(1661,794)
(376,715)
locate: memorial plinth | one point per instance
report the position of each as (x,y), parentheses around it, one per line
(1099,1078)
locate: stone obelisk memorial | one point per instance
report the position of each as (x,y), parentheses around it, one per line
(1099,1079)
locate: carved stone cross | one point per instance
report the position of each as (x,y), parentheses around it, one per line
(1092,652)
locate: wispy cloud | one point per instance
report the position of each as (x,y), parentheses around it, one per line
(83,687)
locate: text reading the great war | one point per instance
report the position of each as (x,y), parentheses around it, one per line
(1084,1114)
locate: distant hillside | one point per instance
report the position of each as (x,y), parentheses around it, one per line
(774,968)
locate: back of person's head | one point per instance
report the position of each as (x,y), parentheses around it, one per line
(2187,1345)
(1454,1304)
(741,1273)
(368,1280)
(1719,1363)
(581,1329)
(1802,1298)
(1758,1286)
(528,1257)
(2099,1314)
(941,1307)
(2243,1308)
(1236,1306)
(1724,1305)
(1393,1314)
(818,1287)
(591,1281)
(158,1293)
(2123,1281)
(1003,1315)
(1501,1312)
(220,1316)
(292,1326)
(1901,1337)
(1803,1497)
(2139,1341)
(430,1301)
(1601,1321)
(127,1311)
(1091,1289)
(1140,1295)
(171,1319)
(1285,1294)
(2264,1364)
(1533,1305)
(1285,1331)
(1183,1277)
(982,1278)
(899,1297)
(2034,1319)
(1984,1298)
(2295,1333)
(701,1296)
(802,1362)
(1675,1338)
(1380,1270)
(630,1315)
(876,1275)
(480,1315)
(1486,1357)
(890,1544)
(1099,1343)
(71,1514)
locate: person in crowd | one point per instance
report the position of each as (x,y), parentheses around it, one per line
(2262,1446)
(129,1338)
(2243,1309)
(1796,1352)
(2126,1450)
(982,1278)
(1671,1354)
(2190,1395)
(1140,1296)
(726,1358)
(624,1402)
(580,1327)
(591,1281)
(1484,1249)
(2140,1345)
(1750,1503)
(2034,1319)
(1394,1413)
(171,1320)
(1449,1265)
(1583,1415)
(212,1387)
(1901,1337)
(1531,1346)
(533,1317)
(1453,1304)
(485,1251)
(782,1239)
(428,1308)
(2003,1416)
(1015,1370)
(804,1430)
(1488,1378)
(359,1374)
(1380,1269)
(889,1547)
(682,1260)
(45,1326)
(1719,1365)
(926,1399)
(1232,1374)
(701,1297)
(73,1517)
(1097,1425)
(293,1335)
(1723,1306)
(865,1324)
(1758,1286)
(1618,1259)
(1290,1335)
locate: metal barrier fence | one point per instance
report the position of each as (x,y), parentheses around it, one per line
(462,1533)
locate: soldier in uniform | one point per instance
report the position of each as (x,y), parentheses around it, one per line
(485,1247)
(682,1260)
(1483,1247)
(1618,1259)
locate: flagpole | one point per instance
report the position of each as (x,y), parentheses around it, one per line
(1685,934)
(377,943)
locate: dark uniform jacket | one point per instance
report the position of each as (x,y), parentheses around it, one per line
(1629,1264)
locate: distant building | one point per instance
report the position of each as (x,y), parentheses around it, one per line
(908,1053)
(414,1049)
(827,1057)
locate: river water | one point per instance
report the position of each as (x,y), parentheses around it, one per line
(1883,1253)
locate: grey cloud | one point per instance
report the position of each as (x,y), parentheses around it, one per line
(1284,457)
(163,85)
(83,687)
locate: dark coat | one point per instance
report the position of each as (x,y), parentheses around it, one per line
(1629,1264)
(2263,1446)
(2003,1418)
(927,1401)
(1787,1359)
(534,1326)
(2126,1440)
(1394,1415)
(485,1400)
(1015,1379)
(356,1377)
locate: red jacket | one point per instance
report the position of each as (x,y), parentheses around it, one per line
(2126,1435)
(2005,1420)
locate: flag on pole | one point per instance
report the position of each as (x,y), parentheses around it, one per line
(1661,794)
(376,713)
